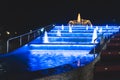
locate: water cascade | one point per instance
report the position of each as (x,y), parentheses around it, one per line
(100,30)
(87,27)
(96,27)
(106,26)
(45,40)
(91,26)
(58,33)
(94,36)
(70,29)
(62,27)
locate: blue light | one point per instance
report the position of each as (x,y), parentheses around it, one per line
(50,59)
(42,29)
(65,49)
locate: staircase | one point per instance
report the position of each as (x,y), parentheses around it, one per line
(108,68)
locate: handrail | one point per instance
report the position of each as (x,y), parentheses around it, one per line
(100,41)
(38,31)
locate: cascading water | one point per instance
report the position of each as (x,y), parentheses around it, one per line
(87,27)
(96,27)
(91,26)
(100,30)
(74,50)
(58,33)
(62,27)
(45,38)
(70,29)
(94,36)
(106,26)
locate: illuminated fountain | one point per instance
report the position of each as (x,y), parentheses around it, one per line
(61,49)
(87,27)
(62,27)
(67,48)
(96,27)
(70,29)
(72,49)
(45,38)
(91,26)
(94,37)
(100,30)
(106,26)
(58,33)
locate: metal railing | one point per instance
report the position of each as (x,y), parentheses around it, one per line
(27,37)
(101,43)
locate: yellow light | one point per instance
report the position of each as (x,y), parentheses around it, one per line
(79,18)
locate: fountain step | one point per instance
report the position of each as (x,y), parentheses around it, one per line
(78,34)
(73,34)
(84,27)
(62,52)
(65,40)
(106,27)
(61,46)
(82,43)
(73,31)
(73,28)
(81,31)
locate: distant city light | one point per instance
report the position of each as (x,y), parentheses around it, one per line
(15,32)
(7,32)
(30,31)
(42,29)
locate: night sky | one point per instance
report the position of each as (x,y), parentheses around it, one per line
(19,13)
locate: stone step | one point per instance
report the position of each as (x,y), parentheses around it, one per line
(106,71)
(106,52)
(112,56)
(115,40)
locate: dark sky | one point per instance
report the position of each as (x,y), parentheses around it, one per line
(44,12)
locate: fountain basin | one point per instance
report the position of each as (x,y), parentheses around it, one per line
(40,59)
(52,58)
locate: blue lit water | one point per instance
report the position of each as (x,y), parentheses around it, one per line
(33,59)
(61,47)
(84,27)
(50,59)
(69,40)
(85,31)
(69,48)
